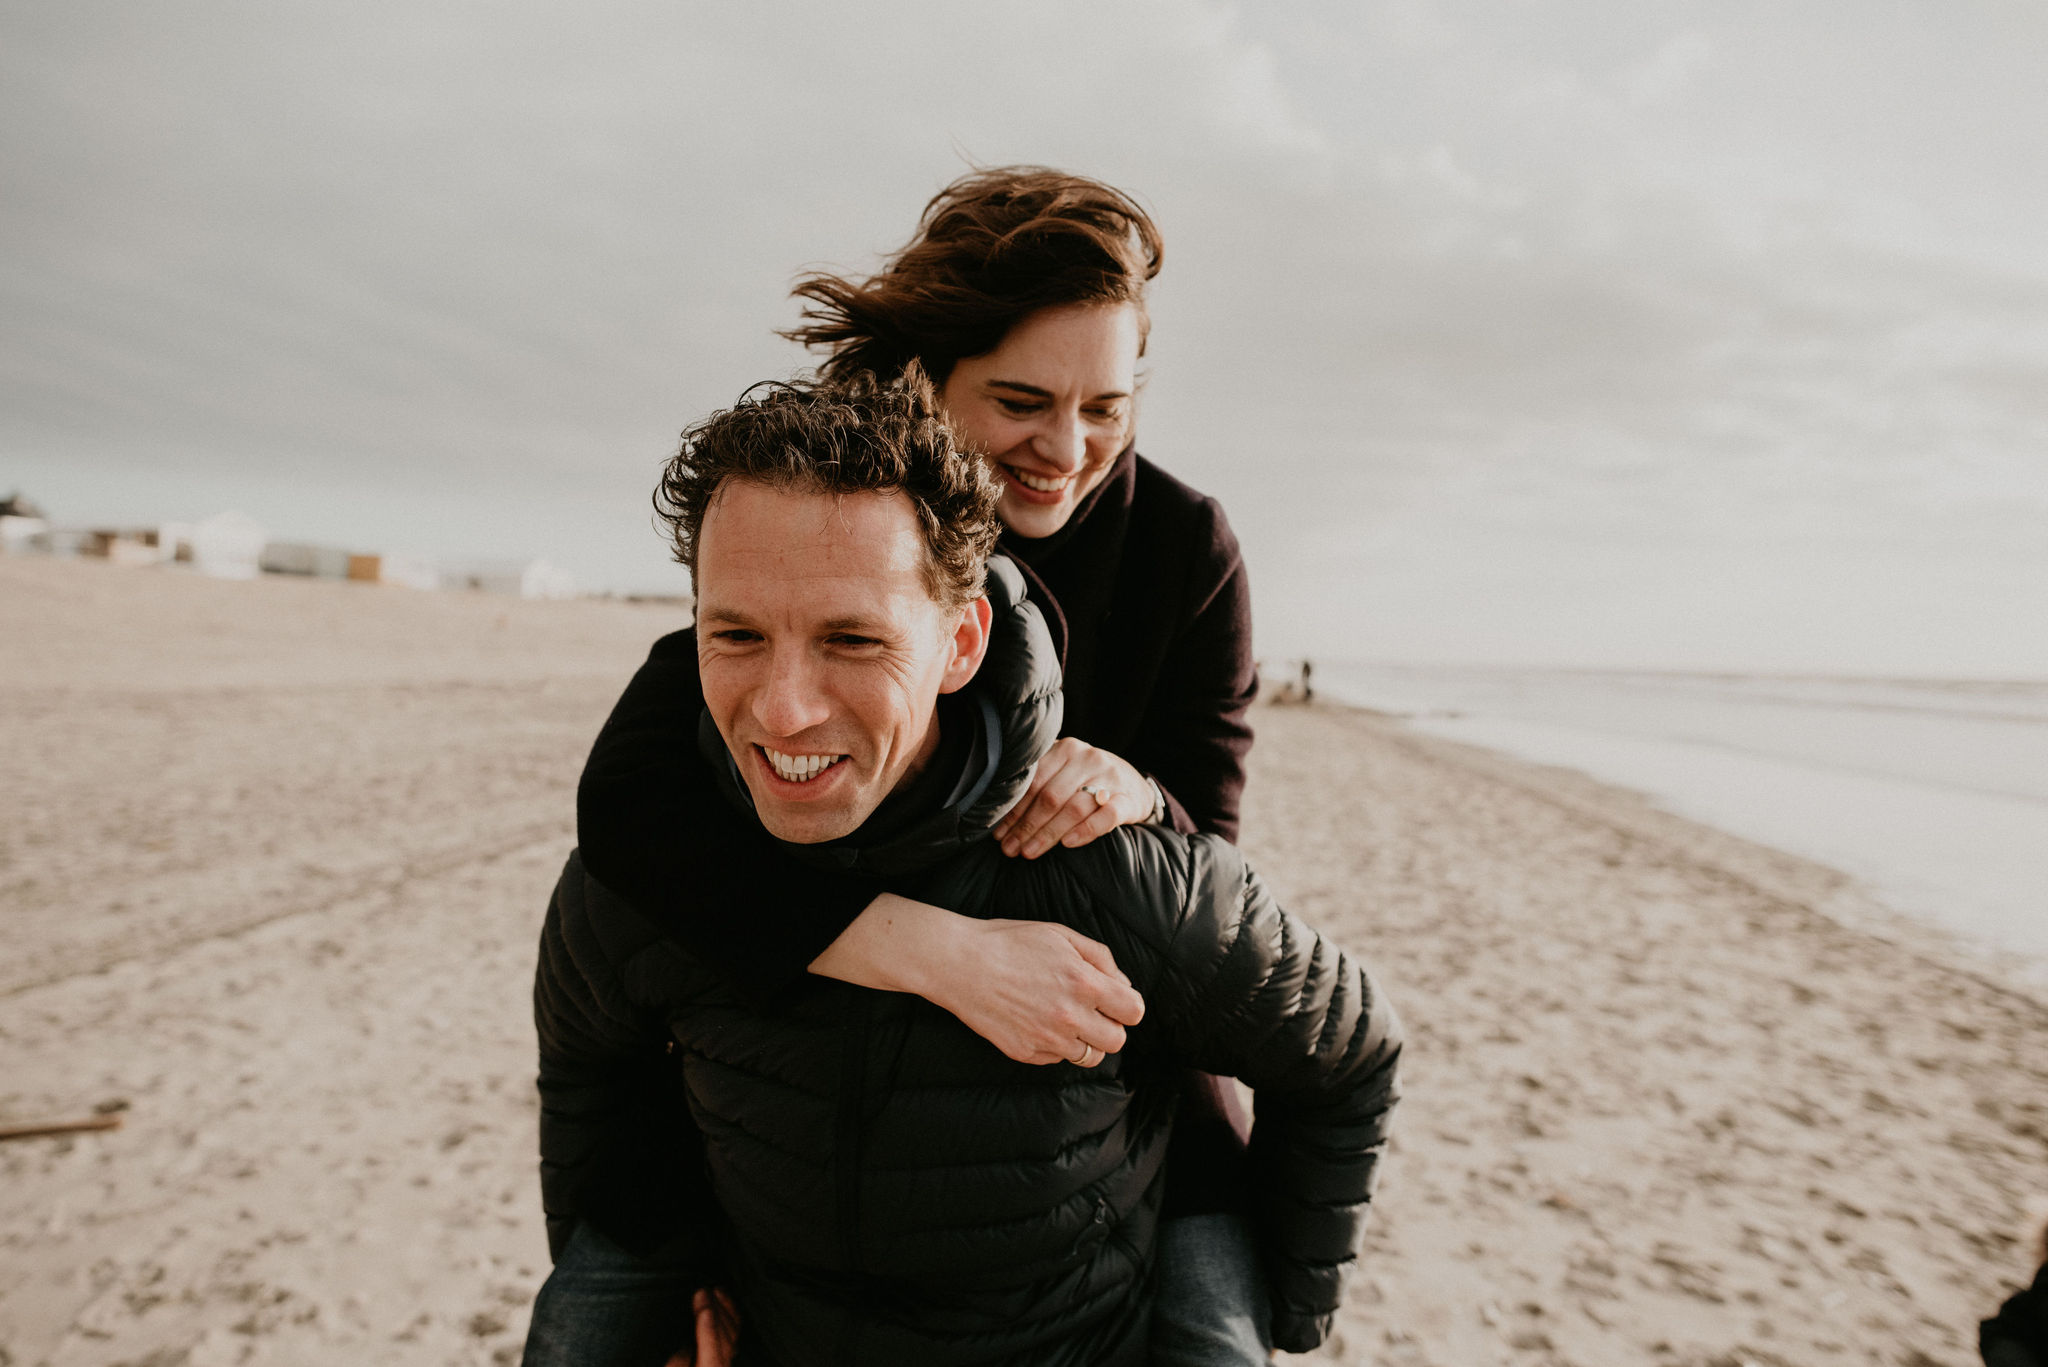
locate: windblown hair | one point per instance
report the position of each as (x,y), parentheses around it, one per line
(854,435)
(991,248)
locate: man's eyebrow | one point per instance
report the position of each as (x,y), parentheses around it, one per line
(1033,391)
(733,617)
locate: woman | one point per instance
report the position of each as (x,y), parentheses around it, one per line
(1022,295)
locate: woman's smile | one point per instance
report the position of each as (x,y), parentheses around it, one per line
(1048,487)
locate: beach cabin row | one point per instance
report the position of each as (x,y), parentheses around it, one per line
(227,545)
(232,545)
(309,561)
(400,571)
(520,578)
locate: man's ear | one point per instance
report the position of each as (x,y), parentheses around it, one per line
(968,643)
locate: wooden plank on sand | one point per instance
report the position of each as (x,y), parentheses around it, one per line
(36,1129)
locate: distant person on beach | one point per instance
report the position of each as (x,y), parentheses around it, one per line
(2017,1336)
(1022,296)
(863,1176)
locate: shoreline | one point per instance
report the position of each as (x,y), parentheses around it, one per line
(1849,902)
(1935,802)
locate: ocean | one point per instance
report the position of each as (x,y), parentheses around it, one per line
(1932,794)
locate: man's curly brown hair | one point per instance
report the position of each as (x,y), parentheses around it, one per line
(854,435)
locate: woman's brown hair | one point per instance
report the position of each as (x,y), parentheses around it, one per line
(991,248)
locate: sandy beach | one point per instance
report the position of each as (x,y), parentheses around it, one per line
(273,857)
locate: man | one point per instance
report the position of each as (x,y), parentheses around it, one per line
(868,1179)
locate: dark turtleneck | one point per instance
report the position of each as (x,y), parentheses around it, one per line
(1150,582)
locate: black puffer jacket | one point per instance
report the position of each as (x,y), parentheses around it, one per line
(893,1188)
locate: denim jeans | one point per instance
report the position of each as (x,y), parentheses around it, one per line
(2006,1352)
(1211,1309)
(604,1307)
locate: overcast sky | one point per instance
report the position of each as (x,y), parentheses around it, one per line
(1666,334)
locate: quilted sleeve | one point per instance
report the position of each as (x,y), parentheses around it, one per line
(1256,993)
(618,1146)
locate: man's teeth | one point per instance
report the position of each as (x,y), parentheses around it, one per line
(1045,484)
(799,768)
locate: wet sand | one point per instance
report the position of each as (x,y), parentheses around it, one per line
(273,857)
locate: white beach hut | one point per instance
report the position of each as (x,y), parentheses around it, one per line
(18,533)
(20,523)
(304,558)
(520,578)
(228,546)
(401,571)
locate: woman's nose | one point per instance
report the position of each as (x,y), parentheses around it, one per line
(1061,442)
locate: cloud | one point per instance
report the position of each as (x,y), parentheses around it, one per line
(1516,287)
(1668,71)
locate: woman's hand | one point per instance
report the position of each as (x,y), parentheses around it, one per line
(1078,793)
(1039,991)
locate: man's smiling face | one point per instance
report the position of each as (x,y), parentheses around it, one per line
(822,650)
